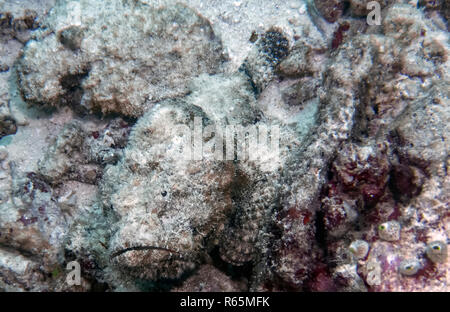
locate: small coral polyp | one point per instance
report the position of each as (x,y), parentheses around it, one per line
(437,251)
(359,249)
(389,231)
(409,267)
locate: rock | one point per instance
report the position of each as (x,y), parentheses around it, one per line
(80,155)
(409,267)
(186,220)
(359,7)
(271,48)
(331,10)
(210,279)
(134,49)
(437,251)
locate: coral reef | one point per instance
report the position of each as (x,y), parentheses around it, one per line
(16,24)
(138,141)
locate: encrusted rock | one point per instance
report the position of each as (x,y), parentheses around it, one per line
(260,65)
(117,57)
(409,267)
(18,23)
(331,10)
(358,114)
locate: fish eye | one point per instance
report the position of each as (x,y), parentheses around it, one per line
(436,247)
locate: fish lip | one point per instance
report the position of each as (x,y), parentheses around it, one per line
(120,251)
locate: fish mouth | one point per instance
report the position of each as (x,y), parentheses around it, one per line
(152,262)
(175,254)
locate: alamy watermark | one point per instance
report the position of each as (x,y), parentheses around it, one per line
(374,16)
(74,276)
(256,142)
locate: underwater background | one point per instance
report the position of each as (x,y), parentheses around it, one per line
(234,145)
